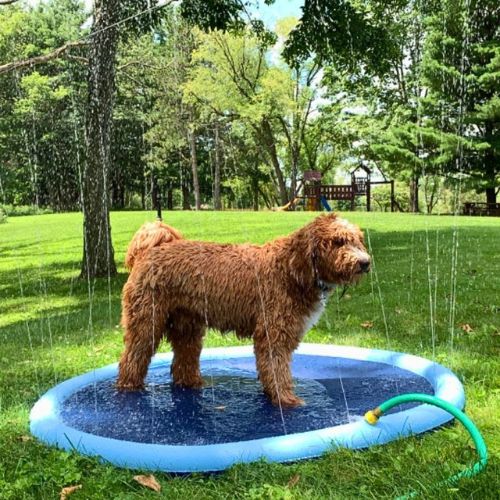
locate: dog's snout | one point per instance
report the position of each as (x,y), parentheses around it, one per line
(364,265)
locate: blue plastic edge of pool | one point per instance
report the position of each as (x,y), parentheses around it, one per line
(46,425)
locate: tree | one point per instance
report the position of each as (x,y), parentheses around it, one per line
(438,102)
(217,166)
(346,32)
(395,132)
(234,78)
(172,126)
(411,85)
(98,252)
(41,104)
(461,68)
(227,78)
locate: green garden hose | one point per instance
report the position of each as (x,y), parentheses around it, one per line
(372,417)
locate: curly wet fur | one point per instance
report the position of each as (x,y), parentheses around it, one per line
(177,288)
(151,234)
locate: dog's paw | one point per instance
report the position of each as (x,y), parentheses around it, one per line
(197,384)
(122,386)
(191,383)
(289,401)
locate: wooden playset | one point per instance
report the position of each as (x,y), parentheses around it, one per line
(316,195)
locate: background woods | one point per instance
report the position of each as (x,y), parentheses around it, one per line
(221,119)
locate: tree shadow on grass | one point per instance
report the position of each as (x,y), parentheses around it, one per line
(58,279)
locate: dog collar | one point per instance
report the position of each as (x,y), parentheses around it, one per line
(324,286)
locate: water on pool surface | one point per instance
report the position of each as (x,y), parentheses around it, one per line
(232,407)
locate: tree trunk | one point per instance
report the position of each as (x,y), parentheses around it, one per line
(117,190)
(432,186)
(170,198)
(268,139)
(185,193)
(255,193)
(98,253)
(154,192)
(295,168)
(414,194)
(194,169)
(184,182)
(217,200)
(490,164)
(491,195)
(265,198)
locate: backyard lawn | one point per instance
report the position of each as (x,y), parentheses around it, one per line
(434,291)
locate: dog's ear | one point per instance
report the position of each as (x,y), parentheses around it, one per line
(302,252)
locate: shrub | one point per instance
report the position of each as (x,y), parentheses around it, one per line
(13,210)
(381,197)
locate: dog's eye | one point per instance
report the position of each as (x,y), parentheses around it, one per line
(338,241)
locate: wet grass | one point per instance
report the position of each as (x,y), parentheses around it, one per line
(434,275)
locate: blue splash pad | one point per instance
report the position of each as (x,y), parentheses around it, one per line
(233,406)
(230,420)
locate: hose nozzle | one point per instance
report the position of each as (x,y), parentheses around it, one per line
(372,416)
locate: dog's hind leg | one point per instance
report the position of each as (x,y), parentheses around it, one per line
(144,318)
(185,334)
(273,352)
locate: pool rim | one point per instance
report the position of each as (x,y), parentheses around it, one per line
(47,426)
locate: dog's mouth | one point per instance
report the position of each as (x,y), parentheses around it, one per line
(360,272)
(350,276)
(348,279)
(357,275)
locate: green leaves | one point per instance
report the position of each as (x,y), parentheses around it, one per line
(40,93)
(213,14)
(461,68)
(344,32)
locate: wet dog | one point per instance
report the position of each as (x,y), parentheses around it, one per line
(273,293)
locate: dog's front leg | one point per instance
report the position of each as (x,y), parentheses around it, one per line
(273,353)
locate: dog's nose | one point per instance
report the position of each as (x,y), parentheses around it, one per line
(364,265)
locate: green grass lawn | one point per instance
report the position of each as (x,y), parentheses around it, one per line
(432,276)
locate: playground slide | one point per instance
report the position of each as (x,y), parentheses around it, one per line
(288,205)
(325,204)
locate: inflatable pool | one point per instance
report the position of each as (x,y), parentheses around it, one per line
(230,420)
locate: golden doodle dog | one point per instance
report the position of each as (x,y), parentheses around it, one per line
(273,293)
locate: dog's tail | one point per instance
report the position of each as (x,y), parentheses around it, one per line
(151,234)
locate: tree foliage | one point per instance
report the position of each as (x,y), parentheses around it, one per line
(212,108)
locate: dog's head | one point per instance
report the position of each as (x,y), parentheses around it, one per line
(330,250)
(150,234)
